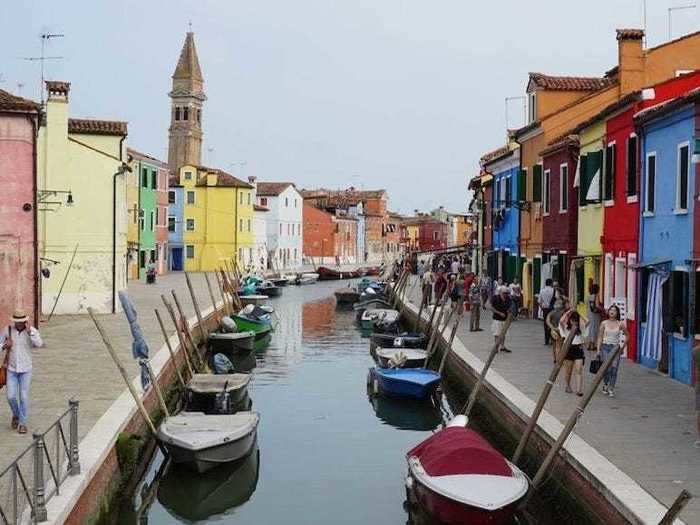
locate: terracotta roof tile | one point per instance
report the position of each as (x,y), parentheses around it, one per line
(96,127)
(10,102)
(272,189)
(493,155)
(223,179)
(562,83)
(143,156)
(559,143)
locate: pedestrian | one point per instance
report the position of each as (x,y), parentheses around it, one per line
(595,310)
(500,304)
(516,297)
(455,266)
(573,361)
(475,310)
(427,283)
(696,358)
(609,338)
(440,285)
(552,322)
(17,340)
(421,268)
(545,299)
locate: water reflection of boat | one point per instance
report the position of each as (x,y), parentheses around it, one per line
(196,497)
(244,362)
(406,414)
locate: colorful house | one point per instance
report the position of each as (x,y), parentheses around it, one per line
(284,222)
(260,225)
(85,238)
(19,271)
(329,236)
(132,229)
(176,226)
(218,219)
(667,264)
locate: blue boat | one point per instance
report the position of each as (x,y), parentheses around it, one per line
(416,383)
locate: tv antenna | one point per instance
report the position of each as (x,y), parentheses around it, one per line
(45,37)
(670,16)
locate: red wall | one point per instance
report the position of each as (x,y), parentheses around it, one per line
(426,235)
(318,225)
(560,230)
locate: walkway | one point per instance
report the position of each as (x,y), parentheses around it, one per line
(75,363)
(647,430)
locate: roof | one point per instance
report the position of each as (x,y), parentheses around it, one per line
(188,64)
(517,133)
(272,189)
(561,142)
(96,127)
(665,107)
(562,83)
(421,219)
(630,34)
(223,179)
(348,197)
(143,156)
(10,102)
(496,154)
(258,207)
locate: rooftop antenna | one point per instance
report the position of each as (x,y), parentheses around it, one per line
(524,99)
(644,22)
(670,13)
(45,37)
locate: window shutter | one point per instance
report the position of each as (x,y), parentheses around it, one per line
(537,183)
(522,185)
(595,167)
(583,179)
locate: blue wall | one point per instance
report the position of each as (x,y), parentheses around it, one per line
(667,235)
(175,238)
(506,236)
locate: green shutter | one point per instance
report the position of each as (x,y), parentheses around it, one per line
(537,183)
(536,275)
(522,185)
(582,184)
(511,265)
(594,165)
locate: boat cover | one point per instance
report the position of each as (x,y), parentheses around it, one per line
(410,353)
(217,336)
(215,383)
(198,431)
(459,451)
(418,376)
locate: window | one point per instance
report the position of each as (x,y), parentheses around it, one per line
(288,229)
(522,185)
(632,165)
(608,280)
(679,301)
(286,202)
(509,188)
(144,178)
(190,197)
(240,197)
(189,251)
(199,115)
(263,201)
(545,203)
(142,259)
(248,224)
(650,200)
(171,224)
(563,188)
(619,278)
(240,225)
(171,197)
(185,113)
(248,198)
(154,180)
(682,178)
(537,183)
(188,175)
(609,181)
(280,229)
(157,216)
(582,171)
(142,222)
(154,257)
(531,108)
(190,225)
(296,202)
(631,286)
(643,294)
(177,113)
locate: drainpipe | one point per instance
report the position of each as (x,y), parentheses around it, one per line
(120,171)
(34,119)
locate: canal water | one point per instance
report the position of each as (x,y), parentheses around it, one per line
(326,453)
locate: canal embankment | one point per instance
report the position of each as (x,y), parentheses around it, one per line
(628,458)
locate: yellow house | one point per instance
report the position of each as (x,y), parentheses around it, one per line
(590,212)
(132,231)
(81,194)
(217,218)
(412,236)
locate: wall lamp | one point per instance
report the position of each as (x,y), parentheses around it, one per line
(42,195)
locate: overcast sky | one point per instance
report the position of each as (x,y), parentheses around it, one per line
(399,94)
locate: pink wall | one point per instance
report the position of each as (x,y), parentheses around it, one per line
(17,233)
(162,208)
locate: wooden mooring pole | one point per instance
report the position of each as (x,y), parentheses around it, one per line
(170,348)
(156,386)
(183,345)
(448,349)
(227,310)
(213,300)
(197,311)
(674,510)
(185,327)
(435,336)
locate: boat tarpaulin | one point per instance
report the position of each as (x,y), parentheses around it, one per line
(459,451)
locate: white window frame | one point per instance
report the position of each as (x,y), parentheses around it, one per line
(546,181)
(619,289)
(677,210)
(631,286)
(647,212)
(611,201)
(631,198)
(194,198)
(608,270)
(189,221)
(187,251)
(563,187)
(174,218)
(531,107)
(174,193)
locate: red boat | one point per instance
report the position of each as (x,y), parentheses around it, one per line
(370,271)
(458,477)
(328,274)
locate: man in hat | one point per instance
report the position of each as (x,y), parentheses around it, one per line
(17,340)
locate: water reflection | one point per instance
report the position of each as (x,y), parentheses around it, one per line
(318,318)
(191,497)
(406,414)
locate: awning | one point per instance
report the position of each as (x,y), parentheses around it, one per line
(649,264)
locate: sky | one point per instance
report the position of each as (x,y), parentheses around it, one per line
(404,95)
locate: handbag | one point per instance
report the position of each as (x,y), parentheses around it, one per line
(5,362)
(595,365)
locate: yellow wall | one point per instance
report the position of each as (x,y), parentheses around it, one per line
(65,164)
(245,244)
(132,218)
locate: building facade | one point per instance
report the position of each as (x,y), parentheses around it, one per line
(261,250)
(19,272)
(176,225)
(284,222)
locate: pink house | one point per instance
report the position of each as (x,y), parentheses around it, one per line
(18,226)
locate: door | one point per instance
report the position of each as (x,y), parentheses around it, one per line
(177,259)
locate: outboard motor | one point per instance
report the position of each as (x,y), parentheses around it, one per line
(228,325)
(222,402)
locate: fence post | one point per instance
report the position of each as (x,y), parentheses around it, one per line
(73,457)
(39,488)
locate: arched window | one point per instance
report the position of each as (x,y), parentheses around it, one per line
(199,115)
(177,113)
(185,113)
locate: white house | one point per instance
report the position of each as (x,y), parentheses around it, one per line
(260,215)
(284,223)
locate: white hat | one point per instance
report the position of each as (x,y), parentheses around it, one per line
(19,316)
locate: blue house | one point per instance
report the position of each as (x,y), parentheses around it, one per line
(176,208)
(504,165)
(666,272)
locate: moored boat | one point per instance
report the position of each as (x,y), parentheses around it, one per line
(218,393)
(346,296)
(269,289)
(279,281)
(260,327)
(202,442)
(402,340)
(372,317)
(458,477)
(228,343)
(253,299)
(329,274)
(415,383)
(399,357)
(306,278)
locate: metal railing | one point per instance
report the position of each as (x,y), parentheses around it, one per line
(24,490)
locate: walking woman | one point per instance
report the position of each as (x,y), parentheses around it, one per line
(595,310)
(552,321)
(609,338)
(573,362)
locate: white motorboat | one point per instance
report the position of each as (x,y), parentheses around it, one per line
(256,299)
(218,393)
(400,357)
(374,316)
(307,278)
(203,442)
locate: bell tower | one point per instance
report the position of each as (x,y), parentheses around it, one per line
(186,100)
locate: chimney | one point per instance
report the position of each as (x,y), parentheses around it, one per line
(630,60)
(56,130)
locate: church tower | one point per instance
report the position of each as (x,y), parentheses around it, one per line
(187,98)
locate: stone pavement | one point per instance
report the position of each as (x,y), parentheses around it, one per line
(75,363)
(647,430)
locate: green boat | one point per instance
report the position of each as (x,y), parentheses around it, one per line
(261,328)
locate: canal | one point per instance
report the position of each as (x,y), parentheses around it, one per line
(326,453)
